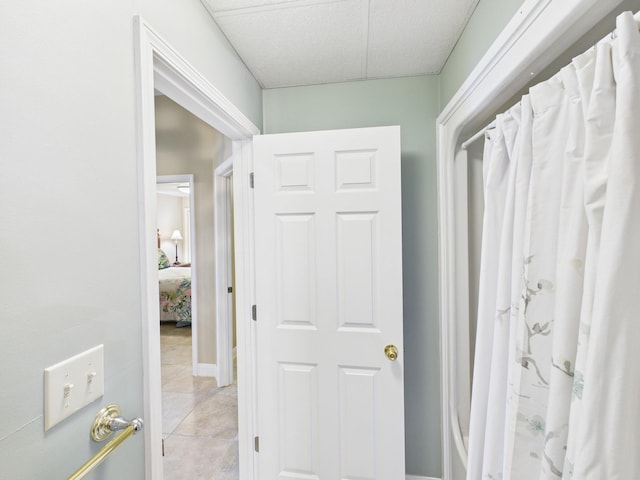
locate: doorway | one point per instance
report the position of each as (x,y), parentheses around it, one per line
(161,69)
(199,407)
(176,218)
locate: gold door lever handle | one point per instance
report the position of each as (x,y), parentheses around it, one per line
(391,351)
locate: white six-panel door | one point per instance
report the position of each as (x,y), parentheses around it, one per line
(329,299)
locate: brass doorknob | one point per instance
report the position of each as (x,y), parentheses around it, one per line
(391,351)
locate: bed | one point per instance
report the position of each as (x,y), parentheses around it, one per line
(175,291)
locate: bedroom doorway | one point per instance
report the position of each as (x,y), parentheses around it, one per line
(176,213)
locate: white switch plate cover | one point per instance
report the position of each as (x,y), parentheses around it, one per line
(72,384)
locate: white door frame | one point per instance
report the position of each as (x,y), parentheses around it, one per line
(539,32)
(224,276)
(159,66)
(188,178)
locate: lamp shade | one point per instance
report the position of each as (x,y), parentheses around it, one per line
(176,235)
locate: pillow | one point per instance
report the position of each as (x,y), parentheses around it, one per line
(163,261)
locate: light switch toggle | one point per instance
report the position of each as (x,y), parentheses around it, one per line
(67,393)
(90,376)
(67,389)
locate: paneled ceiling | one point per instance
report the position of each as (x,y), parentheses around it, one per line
(307,42)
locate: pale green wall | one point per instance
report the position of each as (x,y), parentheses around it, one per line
(69,197)
(413,104)
(486,23)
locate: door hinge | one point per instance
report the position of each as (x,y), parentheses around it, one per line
(254,312)
(251,180)
(229,289)
(163,447)
(256,444)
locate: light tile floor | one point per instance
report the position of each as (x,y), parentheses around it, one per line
(199,419)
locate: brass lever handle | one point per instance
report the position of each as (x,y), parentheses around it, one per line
(391,351)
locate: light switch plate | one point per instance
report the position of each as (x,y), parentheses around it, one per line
(72,384)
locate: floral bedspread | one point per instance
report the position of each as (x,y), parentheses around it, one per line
(175,295)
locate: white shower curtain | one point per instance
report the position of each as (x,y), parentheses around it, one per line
(556,386)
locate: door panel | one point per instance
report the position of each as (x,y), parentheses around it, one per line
(296,270)
(329,298)
(298,418)
(357,265)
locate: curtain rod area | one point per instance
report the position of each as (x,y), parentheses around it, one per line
(477,135)
(607,38)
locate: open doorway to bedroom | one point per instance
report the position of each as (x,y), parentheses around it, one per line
(199,411)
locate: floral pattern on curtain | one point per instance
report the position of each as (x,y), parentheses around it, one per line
(556,387)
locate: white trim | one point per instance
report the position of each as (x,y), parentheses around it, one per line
(159,66)
(223,248)
(539,32)
(171,74)
(416,477)
(245,297)
(187,226)
(205,370)
(194,270)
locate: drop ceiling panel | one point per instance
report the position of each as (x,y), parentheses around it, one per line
(222,5)
(306,42)
(413,37)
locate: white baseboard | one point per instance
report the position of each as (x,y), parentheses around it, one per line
(206,370)
(416,477)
